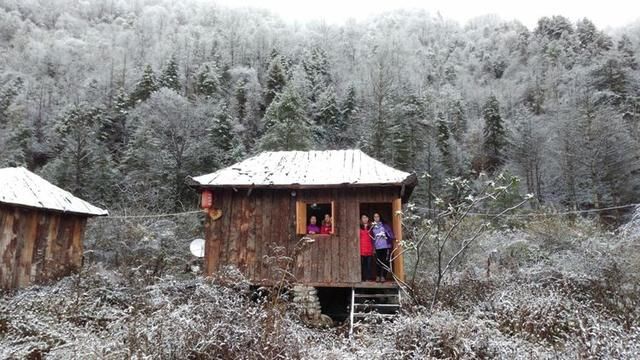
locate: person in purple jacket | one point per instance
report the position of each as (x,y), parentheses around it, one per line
(383,242)
(313,227)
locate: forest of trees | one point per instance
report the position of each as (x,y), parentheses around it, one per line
(118,101)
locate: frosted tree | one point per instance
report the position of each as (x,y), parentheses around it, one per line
(166,147)
(276,79)
(328,127)
(528,141)
(113,130)
(244,103)
(208,80)
(286,124)
(145,86)
(80,156)
(442,141)
(495,140)
(8,93)
(346,137)
(457,120)
(382,84)
(169,77)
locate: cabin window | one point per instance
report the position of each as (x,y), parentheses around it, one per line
(322,213)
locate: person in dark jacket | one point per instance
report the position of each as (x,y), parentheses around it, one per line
(383,238)
(366,248)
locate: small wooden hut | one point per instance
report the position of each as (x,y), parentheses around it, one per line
(41,229)
(266,201)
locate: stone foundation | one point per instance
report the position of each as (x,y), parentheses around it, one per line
(306,297)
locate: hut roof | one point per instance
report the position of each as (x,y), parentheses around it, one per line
(19,186)
(306,169)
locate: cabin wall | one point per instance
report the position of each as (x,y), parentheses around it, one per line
(255,223)
(38,246)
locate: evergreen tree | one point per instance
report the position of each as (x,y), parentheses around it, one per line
(408,133)
(276,79)
(167,145)
(145,86)
(169,77)
(287,127)
(611,78)
(442,142)
(346,120)
(207,80)
(78,149)
(494,135)
(458,120)
(7,95)
(327,127)
(15,141)
(318,79)
(113,129)
(627,54)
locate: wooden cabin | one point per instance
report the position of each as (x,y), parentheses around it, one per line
(41,229)
(266,201)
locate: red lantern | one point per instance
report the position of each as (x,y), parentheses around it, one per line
(206,199)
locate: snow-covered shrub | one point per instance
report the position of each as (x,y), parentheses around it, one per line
(98,314)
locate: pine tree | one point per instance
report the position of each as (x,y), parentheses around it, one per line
(287,127)
(318,79)
(276,79)
(442,143)
(458,120)
(15,143)
(113,129)
(346,120)
(7,96)
(408,135)
(494,135)
(327,126)
(625,48)
(611,78)
(169,77)
(207,80)
(78,148)
(145,86)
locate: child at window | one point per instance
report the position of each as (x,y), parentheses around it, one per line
(326,225)
(313,227)
(383,242)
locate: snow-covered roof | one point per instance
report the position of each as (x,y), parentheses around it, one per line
(19,186)
(306,169)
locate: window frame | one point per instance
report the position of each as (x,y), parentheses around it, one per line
(302,218)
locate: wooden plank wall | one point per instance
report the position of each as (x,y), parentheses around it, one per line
(38,246)
(254,223)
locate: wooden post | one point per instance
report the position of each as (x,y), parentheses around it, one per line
(398,263)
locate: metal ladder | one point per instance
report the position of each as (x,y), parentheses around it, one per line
(373,304)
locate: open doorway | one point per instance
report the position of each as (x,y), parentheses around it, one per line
(384,209)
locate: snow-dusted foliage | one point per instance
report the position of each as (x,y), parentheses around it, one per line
(552,289)
(85,90)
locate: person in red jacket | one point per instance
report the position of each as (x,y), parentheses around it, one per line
(366,248)
(326,227)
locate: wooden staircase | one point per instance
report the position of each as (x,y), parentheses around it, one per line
(373,305)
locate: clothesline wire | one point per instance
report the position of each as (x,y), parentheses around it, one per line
(569,212)
(149,216)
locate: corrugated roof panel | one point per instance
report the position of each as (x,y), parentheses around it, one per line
(305,168)
(20,186)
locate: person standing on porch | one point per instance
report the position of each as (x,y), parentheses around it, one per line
(366,248)
(383,242)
